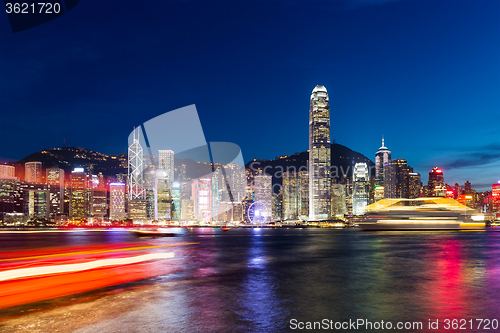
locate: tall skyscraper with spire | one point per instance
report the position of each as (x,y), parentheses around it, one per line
(135,169)
(382,157)
(319,155)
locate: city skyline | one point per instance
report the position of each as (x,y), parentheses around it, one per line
(424,75)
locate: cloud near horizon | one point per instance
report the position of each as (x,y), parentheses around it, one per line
(480,156)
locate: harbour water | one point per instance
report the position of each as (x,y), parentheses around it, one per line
(275,280)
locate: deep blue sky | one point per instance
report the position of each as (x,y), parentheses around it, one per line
(425,74)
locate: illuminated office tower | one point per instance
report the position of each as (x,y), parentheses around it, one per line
(55,180)
(414,185)
(339,201)
(150,190)
(166,163)
(495,197)
(382,157)
(99,197)
(117,201)
(277,213)
(136,192)
(396,179)
(175,194)
(202,199)
(458,190)
(79,198)
(34,199)
(304,195)
(360,189)
(186,202)
(467,187)
(436,186)
(33,172)
(319,155)
(187,210)
(263,193)
(291,196)
(295,202)
(218,185)
(164,201)
(7,172)
(135,170)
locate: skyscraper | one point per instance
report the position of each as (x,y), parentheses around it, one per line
(468,187)
(117,201)
(55,180)
(99,197)
(396,179)
(33,172)
(339,203)
(79,198)
(495,197)
(319,155)
(166,163)
(7,172)
(360,188)
(135,169)
(415,185)
(164,203)
(263,193)
(382,157)
(202,199)
(291,196)
(436,186)
(135,180)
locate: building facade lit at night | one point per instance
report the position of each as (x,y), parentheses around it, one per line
(33,172)
(360,189)
(135,180)
(79,196)
(495,197)
(55,180)
(319,155)
(117,201)
(436,186)
(166,163)
(202,199)
(382,157)
(263,194)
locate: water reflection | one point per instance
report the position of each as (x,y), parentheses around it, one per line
(257,299)
(249,280)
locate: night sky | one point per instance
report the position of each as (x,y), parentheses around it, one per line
(425,74)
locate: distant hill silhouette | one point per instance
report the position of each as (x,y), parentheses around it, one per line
(67,158)
(343,160)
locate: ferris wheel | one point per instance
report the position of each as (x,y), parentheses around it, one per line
(258,213)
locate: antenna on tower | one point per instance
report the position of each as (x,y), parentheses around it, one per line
(383,140)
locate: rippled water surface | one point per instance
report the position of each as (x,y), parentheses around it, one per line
(258,280)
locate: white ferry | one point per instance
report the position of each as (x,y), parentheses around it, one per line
(421,214)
